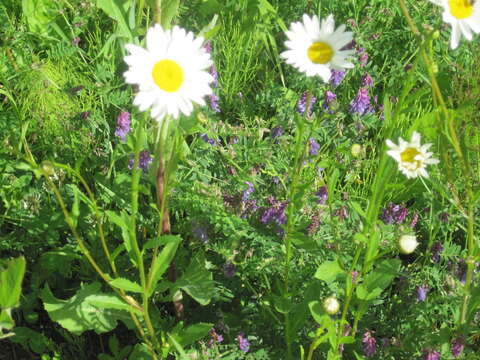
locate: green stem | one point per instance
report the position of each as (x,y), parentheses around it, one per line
(158,12)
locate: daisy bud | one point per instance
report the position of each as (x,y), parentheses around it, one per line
(331,305)
(407,244)
(48,168)
(356,150)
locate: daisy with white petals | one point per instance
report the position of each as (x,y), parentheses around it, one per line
(171,73)
(412,157)
(315,48)
(463,16)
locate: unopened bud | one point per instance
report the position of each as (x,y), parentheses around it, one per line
(434,68)
(48,168)
(436,34)
(356,150)
(407,244)
(331,305)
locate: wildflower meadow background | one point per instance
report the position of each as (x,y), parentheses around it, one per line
(239,179)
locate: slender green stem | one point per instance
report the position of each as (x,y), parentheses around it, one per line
(158,11)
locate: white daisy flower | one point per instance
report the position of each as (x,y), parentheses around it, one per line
(171,73)
(315,48)
(463,16)
(412,157)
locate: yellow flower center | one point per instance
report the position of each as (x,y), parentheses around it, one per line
(168,75)
(461,9)
(408,155)
(320,53)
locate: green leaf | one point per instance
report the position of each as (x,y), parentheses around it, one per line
(6,321)
(319,314)
(197,281)
(88,309)
(35,341)
(117,10)
(40,15)
(190,334)
(11,277)
(329,271)
(127,285)
(162,240)
(140,352)
(163,260)
(169,11)
(123,222)
(378,280)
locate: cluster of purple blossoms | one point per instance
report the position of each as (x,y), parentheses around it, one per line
(457,347)
(369,344)
(313,146)
(362,57)
(208,140)
(414,220)
(394,214)
(431,355)
(275,213)
(322,195)
(329,102)
(422,291)
(123,125)
(212,98)
(143,162)
(229,269)
(302,104)
(246,193)
(361,103)
(277,131)
(337,77)
(214,337)
(437,248)
(367,80)
(243,343)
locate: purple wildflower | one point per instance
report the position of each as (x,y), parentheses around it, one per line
(123,125)
(302,104)
(367,80)
(248,191)
(437,248)
(329,101)
(444,217)
(249,207)
(341,212)
(312,228)
(243,343)
(277,131)
(414,220)
(362,57)
(143,162)
(275,213)
(354,274)
(322,195)
(205,138)
(457,347)
(213,101)
(229,269)
(313,147)
(84,115)
(369,344)
(394,214)
(337,77)
(422,291)
(361,104)
(76,41)
(431,355)
(215,338)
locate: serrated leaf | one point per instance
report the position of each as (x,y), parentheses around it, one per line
(378,280)
(197,281)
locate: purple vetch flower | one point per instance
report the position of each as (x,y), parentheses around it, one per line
(422,291)
(246,193)
(337,77)
(276,180)
(369,344)
(354,274)
(229,269)
(76,41)
(144,160)
(437,248)
(329,103)
(277,131)
(394,214)
(341,212)
(243,343)
(123,125)
(431,355)
(312,228)
(457,346)
(205,138)
(215,338)
(367,80)
(313,147)
(414,220)
(84,115)
(361,104)
(322,195)
(302,104)
(444,217)
(213,101)
(208,47)
(275,213)
(346,332)
(248,207)
(362,57)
